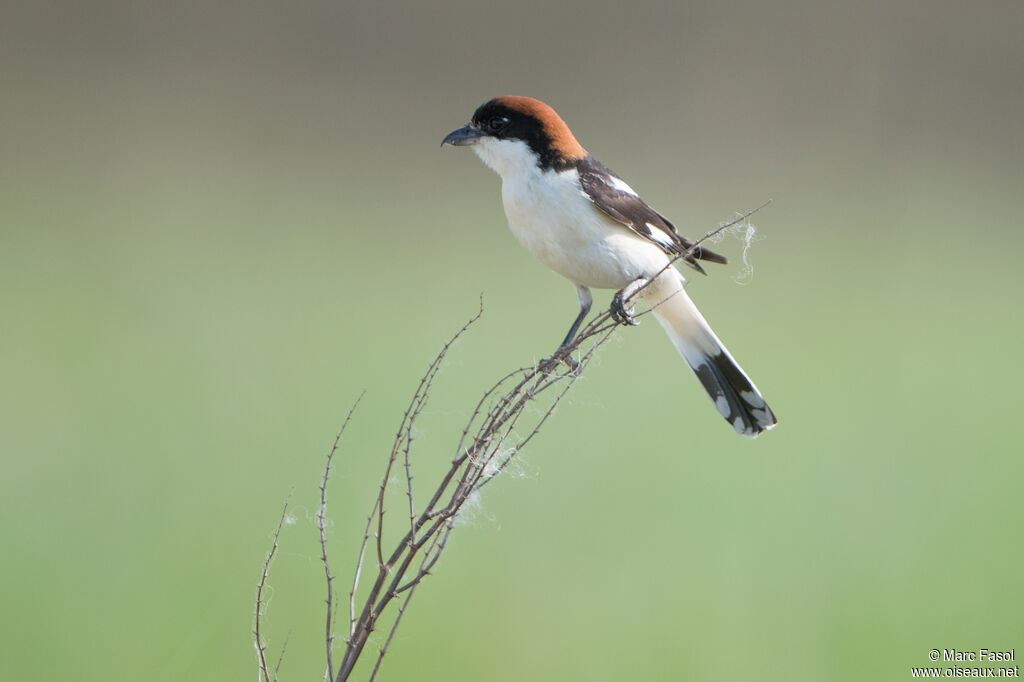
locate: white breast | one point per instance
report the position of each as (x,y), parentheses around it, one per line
(551,216)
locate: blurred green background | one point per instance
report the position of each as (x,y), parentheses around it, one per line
(220,222)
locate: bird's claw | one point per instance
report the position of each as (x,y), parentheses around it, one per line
(620,313)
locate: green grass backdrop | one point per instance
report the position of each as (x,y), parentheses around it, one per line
(219,225)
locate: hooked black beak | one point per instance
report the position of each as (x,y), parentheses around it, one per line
(462,137)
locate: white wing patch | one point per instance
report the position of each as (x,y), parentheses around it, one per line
(658,235)
(619,184)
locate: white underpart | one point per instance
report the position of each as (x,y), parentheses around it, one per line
(557,223)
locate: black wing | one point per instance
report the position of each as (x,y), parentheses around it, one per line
(615,198)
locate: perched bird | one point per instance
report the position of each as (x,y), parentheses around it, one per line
(585,223)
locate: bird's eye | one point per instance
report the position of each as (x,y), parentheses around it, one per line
(497,123)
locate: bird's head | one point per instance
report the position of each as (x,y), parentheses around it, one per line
(511,132)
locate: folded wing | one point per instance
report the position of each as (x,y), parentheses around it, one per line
(613,197)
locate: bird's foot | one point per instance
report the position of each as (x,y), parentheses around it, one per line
(620,313)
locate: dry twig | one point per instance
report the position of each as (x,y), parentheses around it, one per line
(489,441)
(321,523)
(261,646)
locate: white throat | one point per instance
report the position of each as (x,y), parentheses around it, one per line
(507,158)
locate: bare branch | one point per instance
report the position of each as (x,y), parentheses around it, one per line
(261,645)
(361,627)
(321,523)
(280,657)
(498,428)
(487,445)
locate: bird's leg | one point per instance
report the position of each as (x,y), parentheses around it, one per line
(586,300)
(618,309)
(563,353)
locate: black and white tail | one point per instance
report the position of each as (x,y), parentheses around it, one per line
(733,393)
